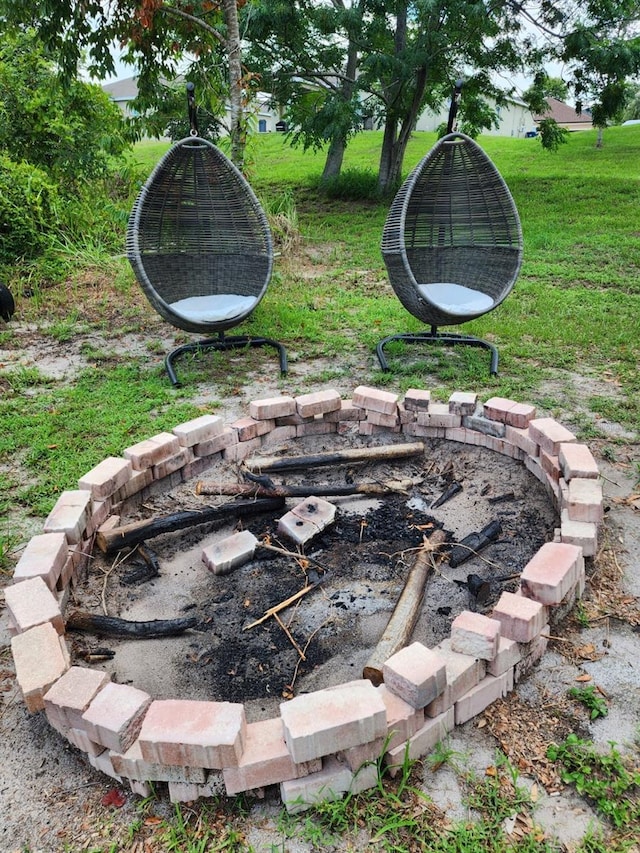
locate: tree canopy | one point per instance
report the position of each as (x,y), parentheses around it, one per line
(335,64)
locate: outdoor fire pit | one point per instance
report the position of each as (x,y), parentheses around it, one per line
(189,660)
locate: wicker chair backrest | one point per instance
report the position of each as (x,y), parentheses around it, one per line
(453,222)
(198,230)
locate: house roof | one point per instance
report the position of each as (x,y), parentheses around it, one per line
(564,114)
(122,90)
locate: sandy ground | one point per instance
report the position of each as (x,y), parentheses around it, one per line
(52,800)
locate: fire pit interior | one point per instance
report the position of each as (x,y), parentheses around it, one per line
(353,573)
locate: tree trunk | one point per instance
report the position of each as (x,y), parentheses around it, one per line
(338,146)
(599,139)
(237,131)
(335,156)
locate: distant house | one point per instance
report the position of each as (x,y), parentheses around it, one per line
(566,116)
(122,92)
(514,119)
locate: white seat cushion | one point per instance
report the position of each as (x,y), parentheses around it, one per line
(456,299)
(213,309)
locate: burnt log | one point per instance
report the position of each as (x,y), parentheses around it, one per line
(255,490)
(113,626)
(405,614)
(474,543)
(337,457)
(132,534)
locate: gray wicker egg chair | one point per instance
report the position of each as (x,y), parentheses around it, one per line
(452,243)
(200,246)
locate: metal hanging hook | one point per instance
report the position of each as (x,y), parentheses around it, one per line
(453,109)
(191,104)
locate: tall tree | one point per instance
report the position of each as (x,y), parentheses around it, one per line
(158,38)
(333,64)
(598,43)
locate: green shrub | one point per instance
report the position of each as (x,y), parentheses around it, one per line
(28,203)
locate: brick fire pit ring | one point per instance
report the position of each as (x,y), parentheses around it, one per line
(323,743)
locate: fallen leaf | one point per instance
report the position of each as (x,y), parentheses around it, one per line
(585,677)
(152,820)
(533,793)
(114,798)
(481,723)
(491,771)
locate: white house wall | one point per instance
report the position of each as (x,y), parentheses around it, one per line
(515,120)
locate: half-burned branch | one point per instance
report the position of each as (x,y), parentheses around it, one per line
(131,534)
(272,611)
(337,457)
(112,626)
(254,490)
(405,614)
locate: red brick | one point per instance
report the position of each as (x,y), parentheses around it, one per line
(40,657)
(508,656)
(32,603)
(324,722)
(132,765)
(316,427)
(242,450)
(497,408)
(71,695)
(272,407)
(520,618)
(403,720)
(463,403)
(423,741)
(318,403)
(375,399)
(416,400)
(378,419)
(462,673)
(551,572)
(44,557)
(265,760)
(249,428)
(584,501)
(549,434)
(330,783)
(475,634)
(152,450)
(521,439)
(138,481)
(115,715)
(107,477)
(576,460)
(482,695)
(70,515)
(193,734)
(81,740)
(438,417)
(520,415)
(347,412)
(550,465)
(198,430)
(416,674)
(584,534)
(217,444)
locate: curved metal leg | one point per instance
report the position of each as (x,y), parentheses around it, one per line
(223,343)
(434,337)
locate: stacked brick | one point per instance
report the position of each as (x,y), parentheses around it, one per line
(326,743)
